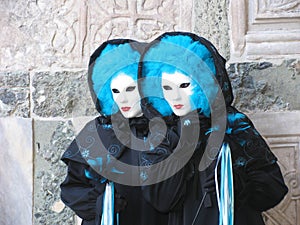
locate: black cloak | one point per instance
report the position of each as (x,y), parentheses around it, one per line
(93,155)
(258,182)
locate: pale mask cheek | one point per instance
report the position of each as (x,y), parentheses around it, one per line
(177,96)
(127,100)
(179,101)
(184,101)
(134,104)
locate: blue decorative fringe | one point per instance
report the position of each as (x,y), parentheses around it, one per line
(225,195)
(108,205)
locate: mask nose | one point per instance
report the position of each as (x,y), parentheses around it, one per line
(176,95)
(122,98)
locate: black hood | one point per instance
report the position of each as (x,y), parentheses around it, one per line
(109,58)
(159,51)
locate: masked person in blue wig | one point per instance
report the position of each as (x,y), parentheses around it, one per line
(231,176)
(102,184)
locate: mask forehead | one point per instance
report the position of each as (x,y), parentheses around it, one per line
(122,81)
(176,79)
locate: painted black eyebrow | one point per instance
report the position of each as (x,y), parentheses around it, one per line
(167,87)
(130,88)
(184,85)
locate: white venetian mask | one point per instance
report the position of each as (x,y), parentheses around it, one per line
(177,90)
(126,95)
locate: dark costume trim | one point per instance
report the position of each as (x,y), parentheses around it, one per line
(257,176)
(83,187)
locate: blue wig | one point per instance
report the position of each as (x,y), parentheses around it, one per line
(183,54)
(113,60)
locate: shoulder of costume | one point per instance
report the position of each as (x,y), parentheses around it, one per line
(248,142)
(90,130)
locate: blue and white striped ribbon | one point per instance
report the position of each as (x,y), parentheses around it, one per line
(225,195)
(108,205)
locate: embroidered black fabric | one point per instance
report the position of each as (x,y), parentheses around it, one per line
(90,162)
(257,176)
(258,181)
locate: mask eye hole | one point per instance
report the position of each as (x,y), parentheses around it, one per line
(167,87)
(184,85)
(130,88)
(114,90)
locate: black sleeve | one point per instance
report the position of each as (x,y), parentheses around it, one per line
(261,189)
(258,180)
(267,187)
(82,194)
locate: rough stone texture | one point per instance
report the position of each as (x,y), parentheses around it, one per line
(16,171)
(211,22)
(264,30)
(51,140)
(14,94)
(42,34)
(60,36)
(62,94)
(282,131)
(80,122)
(265,86)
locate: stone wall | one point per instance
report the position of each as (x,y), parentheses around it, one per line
(44,97)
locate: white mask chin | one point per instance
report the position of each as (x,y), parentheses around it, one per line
(177,89)
(126,95)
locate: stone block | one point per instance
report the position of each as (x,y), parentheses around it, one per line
(62,94)
(211,22)
(43,34)
(16,168)
(282,132)
(14,94)
(264,29)
(51,139)
(265,86)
